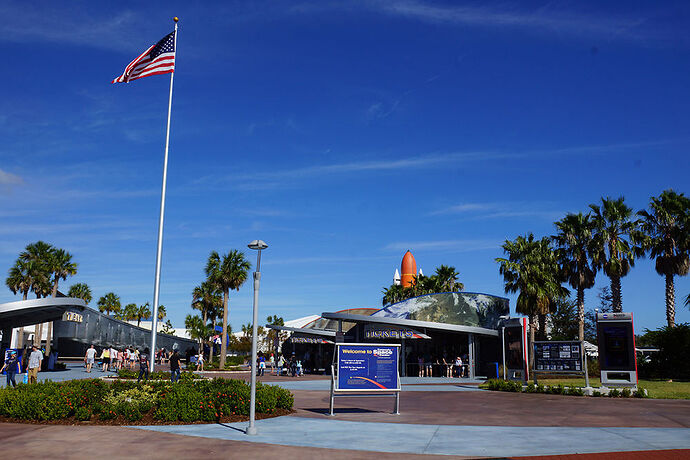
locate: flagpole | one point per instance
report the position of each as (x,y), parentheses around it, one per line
(159,251)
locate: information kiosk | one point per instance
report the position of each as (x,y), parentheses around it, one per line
(514,338)
(565,357)
(617,360)
(365,369)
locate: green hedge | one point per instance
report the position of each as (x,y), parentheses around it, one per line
(560,389)
(187,401)
(157,375)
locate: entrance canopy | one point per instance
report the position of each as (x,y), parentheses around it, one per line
(26,312)
(411,323)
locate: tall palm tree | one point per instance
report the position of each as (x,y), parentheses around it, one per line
(142,312)
(204,298)
(161,312)
(666,229)
(532,270)
(227,272)
(80,291)
(447,279)
(38,254)
(615,243)
(19,280)
(109,303)
(573,249)
(60,265)
(197,329)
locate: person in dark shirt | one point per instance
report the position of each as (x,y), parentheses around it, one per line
(11,365)
(174,367)
(143,365)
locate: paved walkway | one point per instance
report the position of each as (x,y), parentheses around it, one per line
(472,441)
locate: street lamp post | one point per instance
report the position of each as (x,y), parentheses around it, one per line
(257,245)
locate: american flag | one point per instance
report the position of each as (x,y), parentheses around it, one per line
(156,60)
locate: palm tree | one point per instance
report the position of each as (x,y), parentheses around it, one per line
(129,312)
(197,329)
(61,265)
(574,241)
(394,294)
(666,230)
(161,312)
(80,291)
(142,312)
(447,279)
(228,272)
(614,239)
(532,270)
(204,298)
(19,279)
(109,303)
(38,255)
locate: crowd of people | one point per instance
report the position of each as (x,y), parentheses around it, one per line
(31,362)
(290,366)
(425,365)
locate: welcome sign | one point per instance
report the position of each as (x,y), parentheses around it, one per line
(368,367)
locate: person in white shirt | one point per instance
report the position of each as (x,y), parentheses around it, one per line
(90,358)
(200,362)
(34,366)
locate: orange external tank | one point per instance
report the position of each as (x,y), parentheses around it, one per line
(408,270)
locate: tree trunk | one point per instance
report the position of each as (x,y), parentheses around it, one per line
(670,302)
(532,326)
(580,313)
(223,331)
(542,327)
(616,294)
(49,337)
(38,334)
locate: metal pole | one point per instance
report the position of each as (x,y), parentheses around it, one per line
(252,403)
(159,250)
(584,358)
(503,341)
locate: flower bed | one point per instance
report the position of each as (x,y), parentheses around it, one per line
(560,389)
(124,402)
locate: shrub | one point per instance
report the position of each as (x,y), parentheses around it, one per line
(531,388)
(82,413)
(640,393)
(557,389)
(626,393)
(614,393)
(541,388)
(671,361)
(596,393)
(575,391)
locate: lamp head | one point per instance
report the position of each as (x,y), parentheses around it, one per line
(257,245)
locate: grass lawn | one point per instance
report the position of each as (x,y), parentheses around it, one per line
(659,389)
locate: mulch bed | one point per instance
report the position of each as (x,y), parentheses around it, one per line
(146,419)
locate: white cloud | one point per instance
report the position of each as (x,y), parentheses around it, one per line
(445,245)
(8,179)
(503,210)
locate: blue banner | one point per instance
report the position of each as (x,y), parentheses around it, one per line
(368,367)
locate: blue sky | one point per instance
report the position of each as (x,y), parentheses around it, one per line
(342,134)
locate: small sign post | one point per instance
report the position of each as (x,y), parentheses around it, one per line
(361,369)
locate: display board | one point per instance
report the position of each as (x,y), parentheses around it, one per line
(557,357)
(514,336)
(616,340)
(367,367)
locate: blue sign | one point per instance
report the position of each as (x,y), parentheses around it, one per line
(368,367)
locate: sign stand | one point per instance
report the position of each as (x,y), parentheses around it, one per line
(566,357)
(365,370)
(617,358)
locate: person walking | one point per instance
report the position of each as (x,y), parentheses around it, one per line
(143,365)
(105,358)
(12,367)
(281,364)
(200,362)
(262,365)
(90,357)
(35,359)
(174,367)
(113,359)
(272,363)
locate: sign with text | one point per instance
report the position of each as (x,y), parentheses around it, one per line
(367,367)
(72,316)
(310,340)
(558,357)
(384,331)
